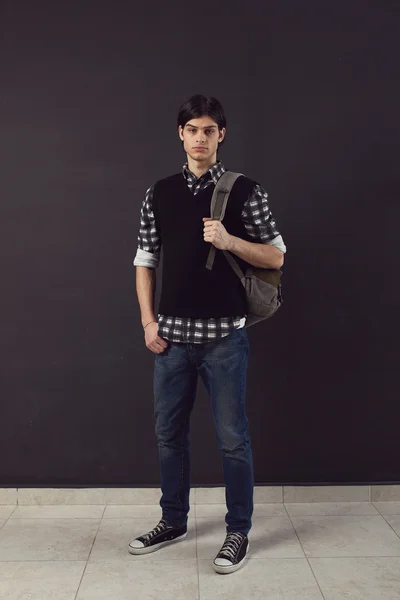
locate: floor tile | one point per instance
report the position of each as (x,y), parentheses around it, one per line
(355,536)
(6,511)
(270,537)
(132,495)
(374,578)
(394,522)
(218,511)
(59,512)
(138,511)
(120,580)
(383,493)
(40,580)
(8,496)
(304,509)
(114,536)
(269,579)
(46,496)
(326,493)
(209,495)
(388,508)
(268,493)
(262,494)
(134,511)
(354,553)
(47,539)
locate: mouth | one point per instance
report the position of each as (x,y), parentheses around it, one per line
(200,148)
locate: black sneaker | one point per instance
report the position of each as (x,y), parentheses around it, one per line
(232,554)
(161,535)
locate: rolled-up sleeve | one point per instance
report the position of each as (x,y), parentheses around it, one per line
(149,241)
(258,220)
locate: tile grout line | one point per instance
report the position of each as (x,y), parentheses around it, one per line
(391,515)
(42,560)
(9,516)
(386,521)
(88,558)
(305,555)
(205,560)
(376,508)
(283,491)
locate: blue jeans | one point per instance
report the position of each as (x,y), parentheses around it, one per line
(222,365)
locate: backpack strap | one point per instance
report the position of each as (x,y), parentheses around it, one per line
(235,267)
(219,202)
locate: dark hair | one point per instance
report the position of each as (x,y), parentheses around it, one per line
(200,106)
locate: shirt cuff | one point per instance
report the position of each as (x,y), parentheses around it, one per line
(146,259)
(278,243)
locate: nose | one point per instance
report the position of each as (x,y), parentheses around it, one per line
(200,138)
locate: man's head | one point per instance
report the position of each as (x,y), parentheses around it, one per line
(201,127)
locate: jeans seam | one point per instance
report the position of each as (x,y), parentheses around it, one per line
(182,458)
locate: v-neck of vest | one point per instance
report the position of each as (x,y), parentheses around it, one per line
(210,186)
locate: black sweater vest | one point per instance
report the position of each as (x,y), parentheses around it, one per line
(188,288)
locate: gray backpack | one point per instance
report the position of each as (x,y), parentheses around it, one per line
(262,286)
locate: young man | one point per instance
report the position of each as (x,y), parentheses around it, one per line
(200,328)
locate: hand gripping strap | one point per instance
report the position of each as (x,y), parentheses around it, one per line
(219,202)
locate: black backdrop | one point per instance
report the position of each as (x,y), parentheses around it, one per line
(89,96)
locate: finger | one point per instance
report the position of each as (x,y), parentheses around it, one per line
(209,232)
(159,343)
(154,344)
(207,219)
(162,342)
(155,348)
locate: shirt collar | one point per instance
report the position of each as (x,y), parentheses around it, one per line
(214,173)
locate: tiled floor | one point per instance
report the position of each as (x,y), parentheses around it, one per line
(331,551)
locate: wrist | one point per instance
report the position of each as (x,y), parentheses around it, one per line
(148,319)
(232,243)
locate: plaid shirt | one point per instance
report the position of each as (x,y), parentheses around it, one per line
(259,224)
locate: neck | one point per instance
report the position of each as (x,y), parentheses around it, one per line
(199,168)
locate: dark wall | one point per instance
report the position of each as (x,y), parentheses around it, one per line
(89,96)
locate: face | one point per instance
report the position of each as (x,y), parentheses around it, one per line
(201,138)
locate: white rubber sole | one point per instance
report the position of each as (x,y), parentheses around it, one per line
(148,549)
(233,568)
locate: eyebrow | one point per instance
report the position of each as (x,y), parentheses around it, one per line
(206,126)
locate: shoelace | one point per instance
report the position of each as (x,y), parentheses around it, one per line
(231,544)
(158,529)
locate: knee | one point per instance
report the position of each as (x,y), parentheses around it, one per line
(170,437)
(234,445)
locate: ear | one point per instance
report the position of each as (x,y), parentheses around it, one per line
(180,132)
(222,134)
